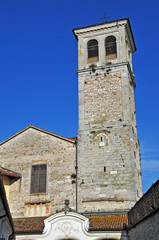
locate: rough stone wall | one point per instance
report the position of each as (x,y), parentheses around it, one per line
(135,142)
(143,218)
(113,188)
(102,98)
(35,147)
(147,229)
(108,150)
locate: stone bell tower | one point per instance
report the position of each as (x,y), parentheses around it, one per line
(109,171)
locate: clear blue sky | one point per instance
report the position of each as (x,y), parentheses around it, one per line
(38,59)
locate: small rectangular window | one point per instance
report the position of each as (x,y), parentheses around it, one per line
(38,179)
(105,169)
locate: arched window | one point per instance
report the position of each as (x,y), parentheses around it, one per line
(92,47)
(110,47)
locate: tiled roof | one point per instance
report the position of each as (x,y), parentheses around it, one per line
(10,173)
(100,222)
(29,225)
(108,222)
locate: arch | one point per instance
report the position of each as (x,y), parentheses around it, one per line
(102,139)
(92,48)
(110,47)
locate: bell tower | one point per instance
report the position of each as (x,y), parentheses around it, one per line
(109,171)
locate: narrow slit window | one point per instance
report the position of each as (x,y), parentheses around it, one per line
(101,141)
(105,169)
(110,47)
(92,47)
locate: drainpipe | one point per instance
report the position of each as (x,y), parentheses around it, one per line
(76,174)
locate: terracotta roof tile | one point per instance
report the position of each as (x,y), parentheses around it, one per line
(100,222)
(29,225)
(10,173)
(108,222)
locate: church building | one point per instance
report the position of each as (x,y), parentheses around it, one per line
(81,188)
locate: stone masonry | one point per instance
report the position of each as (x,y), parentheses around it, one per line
(35,146)
(109,172)
(143,218)
(146,230)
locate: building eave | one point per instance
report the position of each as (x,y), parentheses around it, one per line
(41,130)
(10,173)
(106,23)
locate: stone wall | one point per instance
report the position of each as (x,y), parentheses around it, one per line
(33,147)
(102,98)
(108,148)
(144,216)
(146,230)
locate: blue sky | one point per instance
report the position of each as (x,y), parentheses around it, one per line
(38,59)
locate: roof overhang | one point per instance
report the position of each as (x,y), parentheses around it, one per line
(107,25)
(9,173)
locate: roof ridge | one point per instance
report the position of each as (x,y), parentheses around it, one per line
(39,129)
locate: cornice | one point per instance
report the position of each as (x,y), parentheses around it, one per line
(131,39)
(107,69)
(103,67)
(101,29)
(82,29)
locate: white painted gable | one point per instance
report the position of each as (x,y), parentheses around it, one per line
(71,226)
